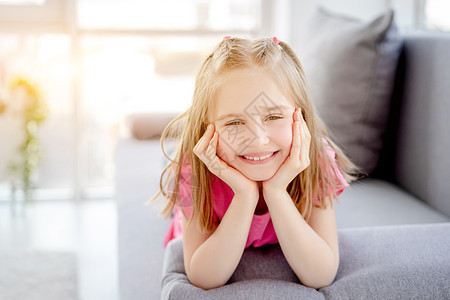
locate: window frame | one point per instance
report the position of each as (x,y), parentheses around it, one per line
(49,17)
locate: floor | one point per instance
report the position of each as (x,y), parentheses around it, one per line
(88,229)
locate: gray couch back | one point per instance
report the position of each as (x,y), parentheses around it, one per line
(418,136)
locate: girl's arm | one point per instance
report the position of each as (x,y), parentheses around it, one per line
(311,249)
(211,258)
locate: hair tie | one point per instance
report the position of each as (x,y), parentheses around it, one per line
(227,37)
(275,40)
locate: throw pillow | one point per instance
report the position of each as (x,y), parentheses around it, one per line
(350,66)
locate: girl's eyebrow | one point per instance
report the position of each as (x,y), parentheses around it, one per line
(277,107)
(227,116)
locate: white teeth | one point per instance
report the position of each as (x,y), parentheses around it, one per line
(259,158)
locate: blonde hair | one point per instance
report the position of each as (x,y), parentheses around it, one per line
(315,183)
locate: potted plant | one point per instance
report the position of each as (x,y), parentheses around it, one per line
(26,102)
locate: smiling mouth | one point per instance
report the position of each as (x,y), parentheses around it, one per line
(258,158)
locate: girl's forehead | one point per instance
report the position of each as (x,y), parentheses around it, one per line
(246,92)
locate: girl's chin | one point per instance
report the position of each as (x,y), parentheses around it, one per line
(258,177)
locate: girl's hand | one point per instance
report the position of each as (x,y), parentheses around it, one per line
(298,159)
(206,150)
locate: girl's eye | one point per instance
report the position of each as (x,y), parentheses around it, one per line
(274,117)
(269,118)
(234,123)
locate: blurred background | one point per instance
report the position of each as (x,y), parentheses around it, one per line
(71,71)
(96,61)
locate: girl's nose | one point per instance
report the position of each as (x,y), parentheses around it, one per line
(261,135)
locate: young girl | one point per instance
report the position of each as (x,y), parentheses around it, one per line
(254,165)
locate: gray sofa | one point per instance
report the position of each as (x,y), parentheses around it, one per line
(394,226)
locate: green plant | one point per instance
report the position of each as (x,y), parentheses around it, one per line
(34,111)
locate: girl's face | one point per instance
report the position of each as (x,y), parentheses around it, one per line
(254,121)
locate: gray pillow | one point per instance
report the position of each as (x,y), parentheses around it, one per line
(350,66)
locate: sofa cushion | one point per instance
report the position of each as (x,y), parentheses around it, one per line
(375,202)
(350,66)
(391,262)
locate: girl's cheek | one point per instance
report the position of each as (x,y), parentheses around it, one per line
(282,132)
(223,150)
(233,139)
(220,150)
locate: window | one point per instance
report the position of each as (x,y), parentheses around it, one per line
(96,70)
(175,15)
(437,15)
(422,14)
(29,16)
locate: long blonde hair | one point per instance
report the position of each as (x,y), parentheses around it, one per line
(317,182)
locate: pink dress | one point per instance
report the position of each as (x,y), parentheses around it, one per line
(261,232)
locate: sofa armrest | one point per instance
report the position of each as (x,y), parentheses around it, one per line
(146,126)
(395,262)
(271,278)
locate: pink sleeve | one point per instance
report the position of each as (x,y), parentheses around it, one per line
(183,204)
(339,180)
(184,200)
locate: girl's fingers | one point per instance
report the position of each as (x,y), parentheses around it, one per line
(297,114)
(214,163)
(301,139)
(202,144)
(211,150)
(306,132)
(296,139)
(197,146)
(212,160)
(306,142)
(206,149)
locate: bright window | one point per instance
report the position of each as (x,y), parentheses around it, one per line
(96,64)
(182,15)
(22,2)
(437,15)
